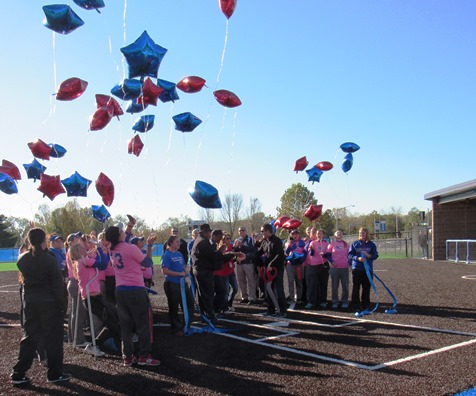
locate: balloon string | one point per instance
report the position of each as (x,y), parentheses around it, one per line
(124,38)
(170,136)
(232,149)
(222,55)
(52,97)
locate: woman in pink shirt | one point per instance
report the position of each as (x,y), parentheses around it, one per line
(132,300)
(339,270)
(317,272)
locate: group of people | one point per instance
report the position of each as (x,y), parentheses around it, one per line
(109,276)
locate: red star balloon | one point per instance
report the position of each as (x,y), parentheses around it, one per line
(191,84)
(105,189)
(301,164)
(135,146)
(313,212)
(71,88)
(291,224)
(150,93)
(109,101)
(10,169)
(281,220)
(101,117)
(50,186)
(227,7)
(227,98)
(40,149)
(324,166)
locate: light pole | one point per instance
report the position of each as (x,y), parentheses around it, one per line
(336,214)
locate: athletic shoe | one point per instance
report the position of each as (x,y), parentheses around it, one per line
(227,312)
(244,301)
(148,361)
(269,313)
(94,350)
(61,378)
(135,338)
(309,306)
(345,305)
(322,305)
(110,344)
(82,345)
(129,361)
(280,315)
(335,305)
(18,379)
(231,309)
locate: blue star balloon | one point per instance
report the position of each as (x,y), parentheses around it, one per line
(57,151)
(143,56)
(144,123)
(127,89)
(90,4)
(314,174)
(100,213)
(136,107)
(347,163)
(34,170)
(7,184)
(186,122)
(205,195)
(76,185)
(170,93)
(349,147)
(61,18)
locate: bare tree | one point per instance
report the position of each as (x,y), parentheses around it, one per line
(230,211)
(207,215)
(255,216)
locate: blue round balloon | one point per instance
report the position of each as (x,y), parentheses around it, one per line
(61,18)
(349,147)
(347,163)
(186,122)
(205,195)
(57,151)
(127,89)
(7,184)
(144,123)
(143,56)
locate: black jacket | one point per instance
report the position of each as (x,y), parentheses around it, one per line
(273,252)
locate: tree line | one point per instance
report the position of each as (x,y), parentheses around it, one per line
(234,213)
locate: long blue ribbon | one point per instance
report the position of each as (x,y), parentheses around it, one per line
(393,310)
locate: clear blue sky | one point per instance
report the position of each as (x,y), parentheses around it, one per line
(396,77)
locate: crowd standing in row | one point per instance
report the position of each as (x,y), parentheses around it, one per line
(110,275)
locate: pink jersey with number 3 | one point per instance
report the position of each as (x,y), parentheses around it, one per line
(126,260)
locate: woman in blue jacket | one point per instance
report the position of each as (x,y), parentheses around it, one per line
(362,250)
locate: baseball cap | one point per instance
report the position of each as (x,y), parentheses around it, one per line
(295,232)
(217,232)
(55,237)
(136,239)
(78,234)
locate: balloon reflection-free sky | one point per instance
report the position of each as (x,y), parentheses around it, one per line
(397,78)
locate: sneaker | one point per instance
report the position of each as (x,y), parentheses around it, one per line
(269,313)
(94,350)
(280,315)
(129,361)
(231,309)
(135,337)
(18,379)
(227,312)
(345,305)
(61,378)
(82,345)
(335,305)
(322,305)
(110,344)
(308,306)
(244,301)
(148,361)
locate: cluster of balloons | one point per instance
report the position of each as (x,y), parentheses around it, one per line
(314,173)
(313,212)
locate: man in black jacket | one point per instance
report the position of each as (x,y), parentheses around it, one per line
(273,252)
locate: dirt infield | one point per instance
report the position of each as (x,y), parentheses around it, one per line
(428,348)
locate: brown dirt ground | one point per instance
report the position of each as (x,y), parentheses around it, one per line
(430,344)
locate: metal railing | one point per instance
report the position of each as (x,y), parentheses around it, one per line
(466,248)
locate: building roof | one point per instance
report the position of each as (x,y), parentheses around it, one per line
(458,192)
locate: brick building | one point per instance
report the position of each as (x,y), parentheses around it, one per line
(453,217)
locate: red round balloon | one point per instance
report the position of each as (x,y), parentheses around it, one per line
(105,188)
(135,146)
(40,149)
(109,101)
(10,169)
(50,186)
(301,164)
(101,117)
(227,98)
(291,224)
(150,93)
(227,7)
(71,88)
(313,212)
(281,220)
(191,84)
(324,165)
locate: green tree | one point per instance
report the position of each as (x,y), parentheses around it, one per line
(294,203)
(20,227)
(7,236)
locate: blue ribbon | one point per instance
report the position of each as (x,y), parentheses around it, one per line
(393,310)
